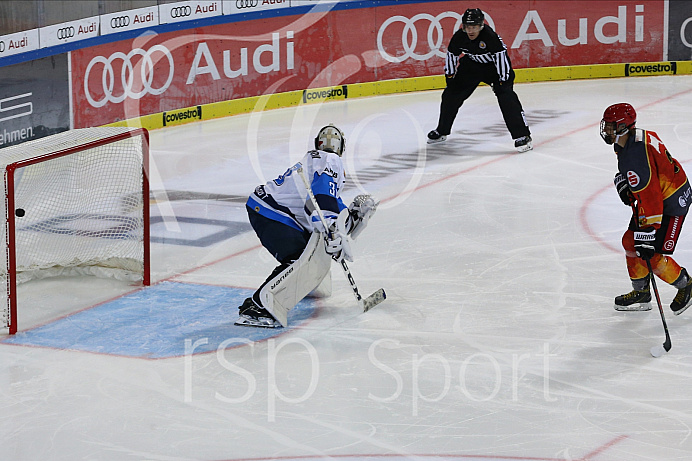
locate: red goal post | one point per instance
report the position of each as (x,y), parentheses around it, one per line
(76,203)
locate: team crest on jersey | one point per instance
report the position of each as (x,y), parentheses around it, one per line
(633,178)
(481,45)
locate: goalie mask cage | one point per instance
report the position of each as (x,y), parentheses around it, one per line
(76,203)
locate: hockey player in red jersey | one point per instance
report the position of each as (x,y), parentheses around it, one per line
(654,184)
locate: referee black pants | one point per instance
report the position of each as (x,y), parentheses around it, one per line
(469,75)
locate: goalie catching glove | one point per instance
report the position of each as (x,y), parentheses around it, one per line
(360,211)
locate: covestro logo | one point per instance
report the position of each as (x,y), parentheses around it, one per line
(182,116)
(657,68)
(322,94)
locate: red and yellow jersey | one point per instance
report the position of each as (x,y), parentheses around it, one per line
(656,179)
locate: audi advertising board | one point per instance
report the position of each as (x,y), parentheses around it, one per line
(129,20)
(187,11)
(680,31)
(19,42)
(69,31)
(34,100)
(251,6)
(157,73)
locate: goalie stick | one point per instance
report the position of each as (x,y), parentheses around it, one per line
(372,300)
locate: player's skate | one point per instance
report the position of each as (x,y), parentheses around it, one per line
(434,137)
(523,144)
(684,297)
(251,315)
(635,300)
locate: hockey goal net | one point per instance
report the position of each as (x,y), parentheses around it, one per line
(76,203)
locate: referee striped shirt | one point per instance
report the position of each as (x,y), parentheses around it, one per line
(487,48)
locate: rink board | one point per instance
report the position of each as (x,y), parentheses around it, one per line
(170,319)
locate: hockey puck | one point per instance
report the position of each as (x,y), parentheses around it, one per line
(19,212)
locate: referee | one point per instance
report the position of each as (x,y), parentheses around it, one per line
(477,54)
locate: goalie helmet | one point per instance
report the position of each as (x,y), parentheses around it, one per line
(473,17)
(618,120)
(331,139)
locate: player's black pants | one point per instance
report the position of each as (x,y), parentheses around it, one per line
(469,75)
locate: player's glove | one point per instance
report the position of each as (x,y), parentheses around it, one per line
(644,243)
(360,211)
(339,247)
(623,189)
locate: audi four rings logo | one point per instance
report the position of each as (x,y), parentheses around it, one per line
(65,33)
(144,68)
(240,4)
(181,11)
(120,21)
(409,36)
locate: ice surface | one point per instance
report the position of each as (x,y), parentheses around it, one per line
(497,340)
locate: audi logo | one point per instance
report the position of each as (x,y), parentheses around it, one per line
(144,68)
(409,36)
(120,21)
(2,46)
(181,11)
(240,4)
(65,33)
(682,33)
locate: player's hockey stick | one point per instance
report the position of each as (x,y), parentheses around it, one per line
(372,300)
(658,351)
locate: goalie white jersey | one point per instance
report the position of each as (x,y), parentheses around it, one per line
(285,198)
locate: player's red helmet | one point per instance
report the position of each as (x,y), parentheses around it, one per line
(618,119)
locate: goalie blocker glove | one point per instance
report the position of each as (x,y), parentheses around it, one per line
(339,247)
(349,224)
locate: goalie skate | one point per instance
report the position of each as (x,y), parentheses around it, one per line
(252,315)
(262,322)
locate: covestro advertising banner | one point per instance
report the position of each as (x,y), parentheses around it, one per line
(303,48)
